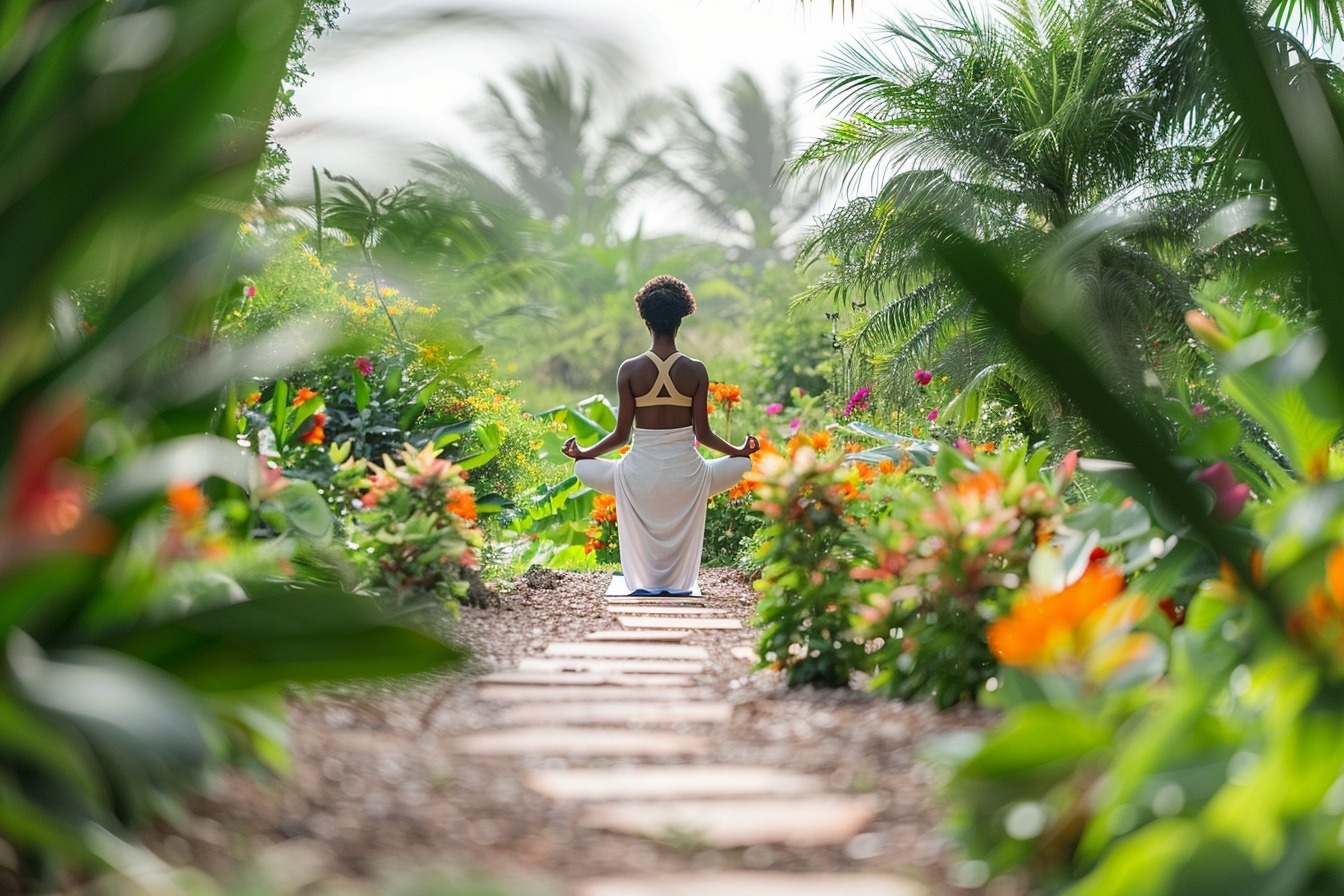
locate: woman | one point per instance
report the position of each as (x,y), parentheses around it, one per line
(662,484)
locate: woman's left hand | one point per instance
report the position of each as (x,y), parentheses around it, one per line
(571,449)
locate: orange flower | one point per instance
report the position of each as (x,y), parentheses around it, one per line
(317,435)
(303,395)
(866,472)
(853,447)
(604,509)
(252,399)
(461,503)
(709,407)
(818,441)
(1321,617)
(727,395)
(979,484)
(741,490)
(187,500)
(1042,629)
(886,467)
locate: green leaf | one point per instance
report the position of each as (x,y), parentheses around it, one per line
(362,392)
(492,503)
(599,410)
(392,383)
(304,510)
(1032,739)
(479,459)
(311,634)
(1115,525)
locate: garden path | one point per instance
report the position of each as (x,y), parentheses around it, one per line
(595,758)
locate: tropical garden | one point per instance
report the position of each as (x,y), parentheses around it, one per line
(1041,338)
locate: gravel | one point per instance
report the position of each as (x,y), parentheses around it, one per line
(375,786)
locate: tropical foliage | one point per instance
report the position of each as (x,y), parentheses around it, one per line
(147,635)
(1013,124)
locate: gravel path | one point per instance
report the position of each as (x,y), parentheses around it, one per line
(378,785)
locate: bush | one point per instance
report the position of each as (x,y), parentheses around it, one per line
(414,530)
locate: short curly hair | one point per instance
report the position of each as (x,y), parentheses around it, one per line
(663,302)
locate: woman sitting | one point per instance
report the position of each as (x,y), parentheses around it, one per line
(662,484)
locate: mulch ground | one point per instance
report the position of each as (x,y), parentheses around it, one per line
(377,790)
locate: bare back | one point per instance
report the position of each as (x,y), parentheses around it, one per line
(639,377)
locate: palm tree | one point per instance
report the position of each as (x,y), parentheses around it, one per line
(558,164)
(734,175)
(1012,127)
(366,218)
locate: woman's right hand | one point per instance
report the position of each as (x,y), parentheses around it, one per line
(749,447)
(571,449)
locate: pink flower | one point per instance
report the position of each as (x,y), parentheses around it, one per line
(1229,495)
(364,365)
(774,408)
(249,291)
(1199,409)
(795,423)
(858,401)
(923,377)
(933,414)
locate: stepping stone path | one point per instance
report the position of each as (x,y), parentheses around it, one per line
(660,622)
(627,699)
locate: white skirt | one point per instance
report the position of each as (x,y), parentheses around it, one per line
(662,486)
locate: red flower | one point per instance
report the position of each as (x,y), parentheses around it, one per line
(364,365)
(316,435)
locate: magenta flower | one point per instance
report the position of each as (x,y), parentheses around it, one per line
(364,365)
(933,414)
(1199,409)
(795,423)
(858,401)
(923,377)
(1229,494)
(774,408)
(249,291)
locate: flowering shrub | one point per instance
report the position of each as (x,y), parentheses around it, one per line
(943,561)
(414,528)
(806,597)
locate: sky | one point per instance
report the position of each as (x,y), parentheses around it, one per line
(374,103)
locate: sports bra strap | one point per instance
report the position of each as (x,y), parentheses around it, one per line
(673,397)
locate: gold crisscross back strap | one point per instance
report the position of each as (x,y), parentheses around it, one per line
(664,381)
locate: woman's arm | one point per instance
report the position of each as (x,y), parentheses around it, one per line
(625,418)
(703,432)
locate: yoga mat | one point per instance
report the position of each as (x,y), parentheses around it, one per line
(618,588)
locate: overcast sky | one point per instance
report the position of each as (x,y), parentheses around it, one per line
(372,105)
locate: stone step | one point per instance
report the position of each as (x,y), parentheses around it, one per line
(678,623)
(745,653)
(529,693)
(621,679)
(685,602)
(752,883)
(628,651)
(651,782)
(555,741)
(726,824)
(637,635)
(611,712)
(666,611)
(580,664)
